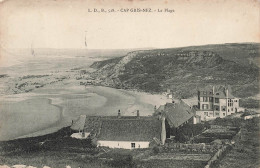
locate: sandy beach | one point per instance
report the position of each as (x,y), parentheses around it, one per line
(50,108)
(45,110)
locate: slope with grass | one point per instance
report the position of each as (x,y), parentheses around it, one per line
(184,69)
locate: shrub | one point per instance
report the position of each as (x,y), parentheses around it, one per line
(123,160)
(156,150)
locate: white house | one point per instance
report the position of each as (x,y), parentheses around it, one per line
(214,102)
(131,132)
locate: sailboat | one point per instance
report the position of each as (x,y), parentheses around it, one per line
(86,45)
(32,50)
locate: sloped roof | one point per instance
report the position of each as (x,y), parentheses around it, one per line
(79,124)
(219,91)
(161,108)
(124,129)
(178,113)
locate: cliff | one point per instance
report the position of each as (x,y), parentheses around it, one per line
(184,69)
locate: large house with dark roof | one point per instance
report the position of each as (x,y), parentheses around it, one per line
(131,132)
(216,101)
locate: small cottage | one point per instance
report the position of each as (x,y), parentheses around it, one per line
(131,132)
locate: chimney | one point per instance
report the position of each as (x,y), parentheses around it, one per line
(83,133)
(138,114)
(119,114)
(163,131)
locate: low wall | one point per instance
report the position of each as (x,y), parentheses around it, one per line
(199,147)
(219,154)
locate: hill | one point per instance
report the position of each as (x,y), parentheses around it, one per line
(184,69)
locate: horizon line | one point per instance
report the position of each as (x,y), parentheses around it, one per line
(82,48)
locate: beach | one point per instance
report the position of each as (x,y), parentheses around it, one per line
(48,109)
(51,107)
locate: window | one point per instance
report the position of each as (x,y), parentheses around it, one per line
(230,102)
(210,99)
(205,99)
(217,93)
(231,109)
(205,106)
(206,113)
(223,108)
(216,108)
(216,100)
(224,114)
(132,145)
(217,113)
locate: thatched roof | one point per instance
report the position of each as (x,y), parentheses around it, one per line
(125,129)
(178,113)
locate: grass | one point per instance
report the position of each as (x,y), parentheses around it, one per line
(246,150)
(249,103)
(176,69)
(172,164)
(55,150)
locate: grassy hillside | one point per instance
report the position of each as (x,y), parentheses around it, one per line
(184,69)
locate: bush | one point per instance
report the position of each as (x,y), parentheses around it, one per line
(189,130)
(180,137)
(156,150)
(249,103)
(123,160)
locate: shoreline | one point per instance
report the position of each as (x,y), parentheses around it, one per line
(128,101)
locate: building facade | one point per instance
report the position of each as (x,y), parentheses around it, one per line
(131,132)
(216,101)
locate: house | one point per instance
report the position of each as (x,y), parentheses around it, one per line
(216,101)
(177,115)
(131,132)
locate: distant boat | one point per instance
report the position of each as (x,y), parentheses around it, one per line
(32,51)
(86,39)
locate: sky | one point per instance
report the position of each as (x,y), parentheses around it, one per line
(63,23)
